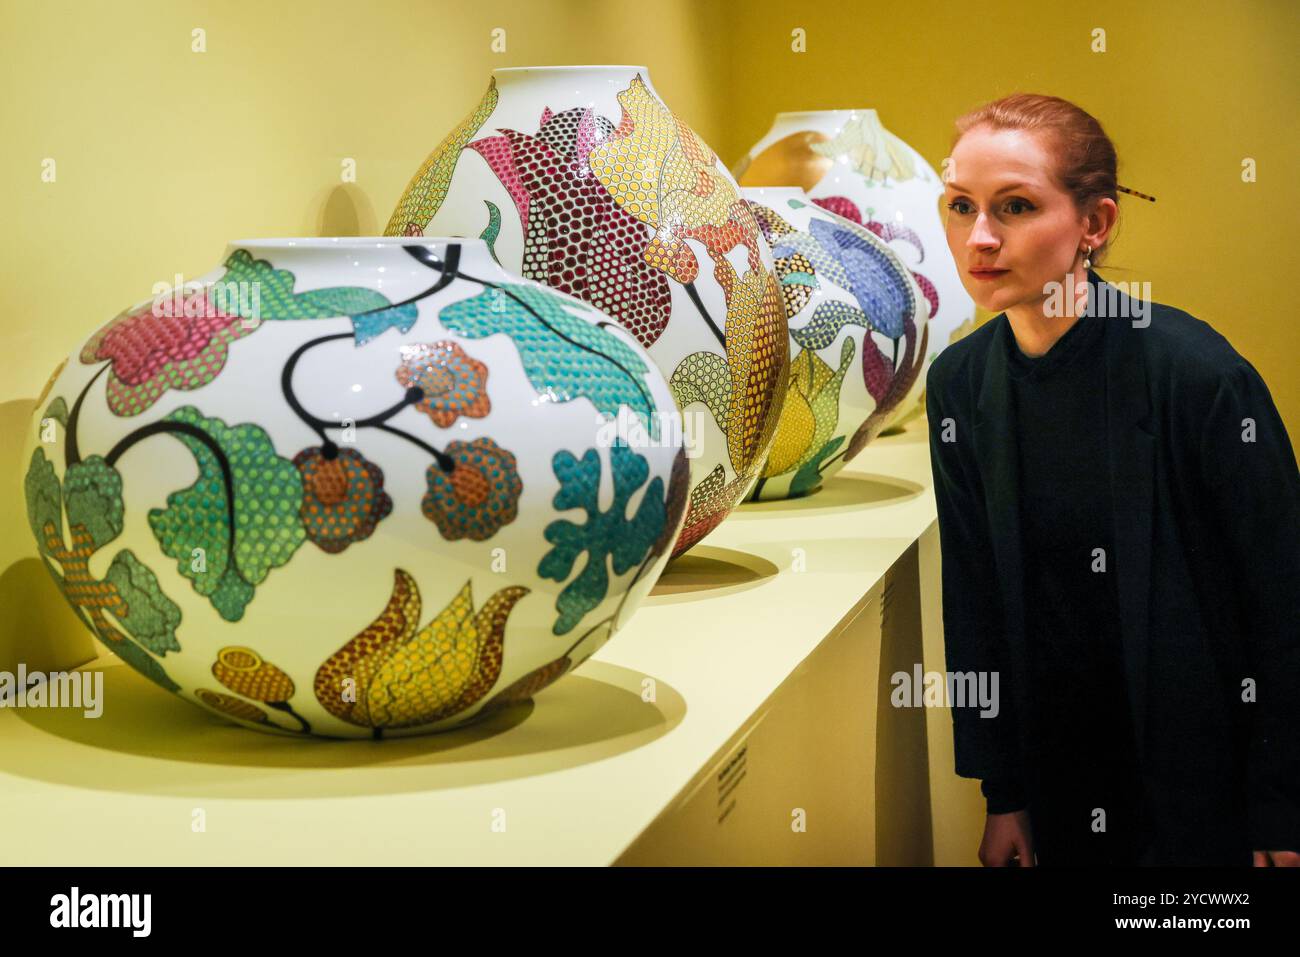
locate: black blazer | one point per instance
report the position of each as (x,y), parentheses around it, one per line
(1206,529)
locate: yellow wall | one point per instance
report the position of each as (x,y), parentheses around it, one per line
(1185,90)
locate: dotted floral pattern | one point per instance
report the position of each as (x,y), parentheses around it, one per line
(577,239)
(402,675)
(479,496)
(153,353)
(428,188)
(453,383)
(343,497)
(243,671)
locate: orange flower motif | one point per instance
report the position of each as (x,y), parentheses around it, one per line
(479,496)
(343,496)
(453,382)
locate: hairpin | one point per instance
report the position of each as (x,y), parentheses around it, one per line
(1133,192)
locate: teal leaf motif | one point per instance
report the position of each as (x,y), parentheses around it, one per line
(564,355)
(603,535)
(492,230)
(371,311)
(267,528)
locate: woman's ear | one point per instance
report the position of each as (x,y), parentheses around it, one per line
(1100,222)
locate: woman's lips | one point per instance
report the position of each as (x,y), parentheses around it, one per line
(987,274)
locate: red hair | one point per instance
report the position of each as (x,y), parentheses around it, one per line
(1086,160)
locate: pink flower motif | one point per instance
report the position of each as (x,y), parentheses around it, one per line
(153,351)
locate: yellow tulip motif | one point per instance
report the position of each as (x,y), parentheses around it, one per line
(395,674)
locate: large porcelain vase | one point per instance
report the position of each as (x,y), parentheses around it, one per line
(581,178)
(858,331)
(848,162)
(356,487)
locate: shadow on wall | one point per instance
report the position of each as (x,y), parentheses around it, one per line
(344,210)
(37,626)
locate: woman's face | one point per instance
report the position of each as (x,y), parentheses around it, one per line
(1004,211)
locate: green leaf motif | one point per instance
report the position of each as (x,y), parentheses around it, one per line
(92,494)
(625,542)
(827,321)
(58,411)
(370,311)
(825,401)
(492,231)
(151,618)
(267,528)
(564,355)
(808,477)
(140,660)
(44,498)
(703,377)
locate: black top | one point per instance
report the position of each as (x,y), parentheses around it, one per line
(1080,725)
(1204,557)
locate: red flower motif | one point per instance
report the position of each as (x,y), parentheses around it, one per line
(577,239)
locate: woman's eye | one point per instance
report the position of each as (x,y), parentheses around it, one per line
(1016,207)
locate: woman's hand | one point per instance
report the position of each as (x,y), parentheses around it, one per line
(1008,841)
(1267,858)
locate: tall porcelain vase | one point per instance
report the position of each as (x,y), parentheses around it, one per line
(356,487)
(857,330)
(848,162)
(581,178)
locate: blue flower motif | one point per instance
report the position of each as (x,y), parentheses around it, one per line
(859,263)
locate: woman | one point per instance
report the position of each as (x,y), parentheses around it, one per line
(1119,519)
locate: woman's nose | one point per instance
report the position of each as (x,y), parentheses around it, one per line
(981,236)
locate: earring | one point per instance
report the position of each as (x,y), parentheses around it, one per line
(1087,253)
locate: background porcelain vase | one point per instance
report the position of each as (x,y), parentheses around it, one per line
(857,329)
(581,178)
(356,487)
(848,162)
